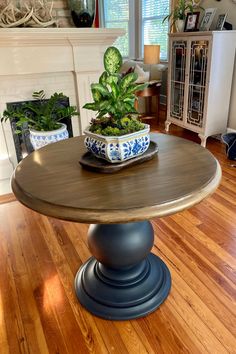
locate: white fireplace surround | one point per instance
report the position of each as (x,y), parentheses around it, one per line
(64,60)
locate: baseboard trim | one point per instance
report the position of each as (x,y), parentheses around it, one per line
(230,130)
(7,198)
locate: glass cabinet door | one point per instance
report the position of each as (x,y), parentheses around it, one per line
(197,82)
(177,84)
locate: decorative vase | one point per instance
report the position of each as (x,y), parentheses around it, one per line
(82,12)
(179,24)
(116,149)
(39,139)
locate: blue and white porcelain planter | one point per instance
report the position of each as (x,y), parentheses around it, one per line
(116,149)
(41,138)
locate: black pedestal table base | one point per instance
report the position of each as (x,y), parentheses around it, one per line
(123,280)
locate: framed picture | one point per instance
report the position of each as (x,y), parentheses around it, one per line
(220,22)
(191,21)
(207,19)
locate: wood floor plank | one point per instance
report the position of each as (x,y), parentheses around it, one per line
(205,315)
(84,321)
(130,337)
(200,284)
(39,257)
(199,265)
(16,336)
(198,328)
(205,246)
(223,221)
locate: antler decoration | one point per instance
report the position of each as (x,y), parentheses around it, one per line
(29,14)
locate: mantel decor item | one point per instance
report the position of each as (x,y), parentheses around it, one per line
(220,22)
(191,22)
(82,12)
(207,19)
(116,134)
(36,13)
(42,117)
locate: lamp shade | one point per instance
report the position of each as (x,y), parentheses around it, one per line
(151,54)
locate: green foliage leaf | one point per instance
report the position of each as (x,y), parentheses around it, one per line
(103,105)
(112,60)
(115,90)
(93,106)
(112,79)
(96,95)
(100,88)
(140,87)
(128,80)
(103,78)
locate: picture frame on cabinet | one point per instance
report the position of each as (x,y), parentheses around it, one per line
(191,21)
(207,19)
(220,22)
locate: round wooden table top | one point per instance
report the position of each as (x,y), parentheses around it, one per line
(52,182)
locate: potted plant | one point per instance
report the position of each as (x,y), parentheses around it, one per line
(42,117)
(116,134)
(178,15)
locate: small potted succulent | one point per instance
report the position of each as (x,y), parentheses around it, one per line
(42,117)
(116,134)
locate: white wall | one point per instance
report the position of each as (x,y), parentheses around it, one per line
(229,7)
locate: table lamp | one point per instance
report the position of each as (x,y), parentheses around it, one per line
(151,54)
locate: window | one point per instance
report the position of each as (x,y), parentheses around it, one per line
(121,14)
(116,15)
(153,30)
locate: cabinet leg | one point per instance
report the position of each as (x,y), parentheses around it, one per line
(203,139)
(167,125)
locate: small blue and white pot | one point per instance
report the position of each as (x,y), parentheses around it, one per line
(116,149)
(41,138)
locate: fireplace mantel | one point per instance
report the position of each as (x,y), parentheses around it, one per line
(55,59)
(42,48)
(17,37)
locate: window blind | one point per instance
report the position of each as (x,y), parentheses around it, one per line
(153,30)
(116,15)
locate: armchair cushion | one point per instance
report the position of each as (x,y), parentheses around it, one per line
(156,70)
(143,76)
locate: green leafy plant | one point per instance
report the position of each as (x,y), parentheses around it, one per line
(114,98)
(179,11)
(41,114)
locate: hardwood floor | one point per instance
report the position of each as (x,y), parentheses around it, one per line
(39,257)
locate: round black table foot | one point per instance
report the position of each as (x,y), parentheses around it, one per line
(122,295)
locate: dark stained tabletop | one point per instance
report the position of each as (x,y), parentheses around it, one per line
(52,182)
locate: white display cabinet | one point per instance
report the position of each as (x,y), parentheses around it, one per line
(201,66)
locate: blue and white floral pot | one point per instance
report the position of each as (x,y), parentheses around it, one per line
(116,149)
(41,138)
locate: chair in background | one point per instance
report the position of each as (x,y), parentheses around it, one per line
(156,76)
